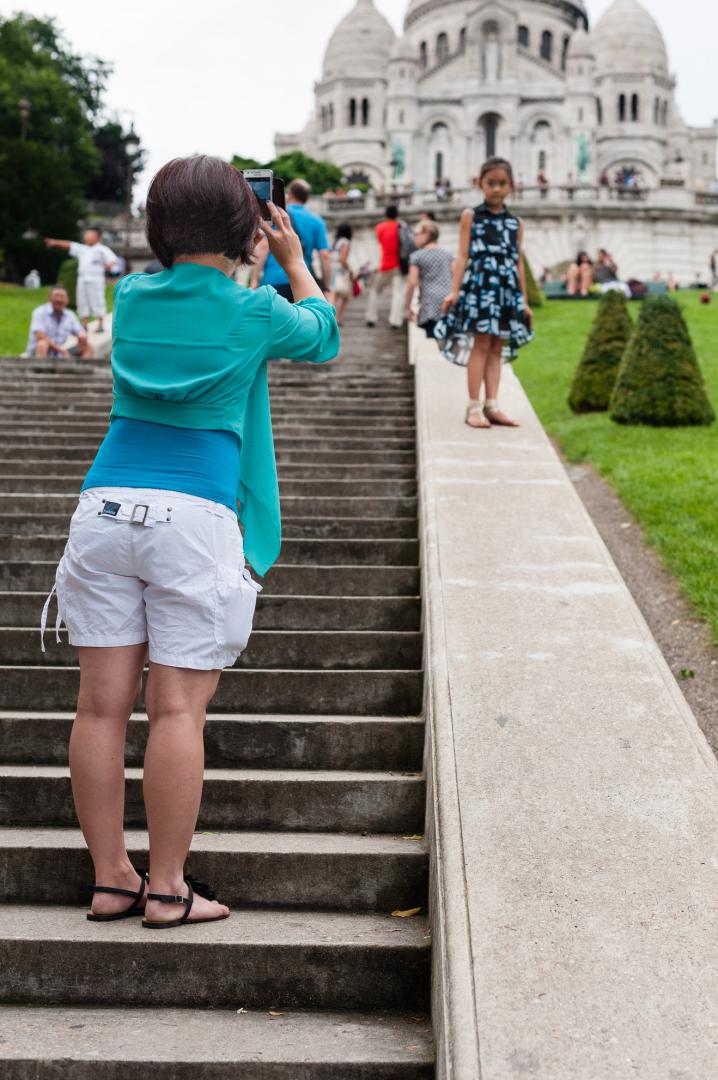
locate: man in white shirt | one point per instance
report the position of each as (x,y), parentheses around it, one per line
(52,324)
(94,260)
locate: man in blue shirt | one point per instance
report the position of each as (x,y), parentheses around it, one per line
(313,235)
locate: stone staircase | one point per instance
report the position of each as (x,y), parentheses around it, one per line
(313,814)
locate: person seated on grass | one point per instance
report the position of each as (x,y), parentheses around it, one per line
(605,269)
(580,277)
(52,324)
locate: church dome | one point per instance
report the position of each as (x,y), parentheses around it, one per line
(360,45)
(581,45)
(627,39)
(417,8)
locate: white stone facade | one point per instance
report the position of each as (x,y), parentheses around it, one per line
(526,79)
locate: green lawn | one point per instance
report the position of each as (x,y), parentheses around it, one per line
(668,477)
(16,306)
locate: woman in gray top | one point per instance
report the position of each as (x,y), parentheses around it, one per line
(430,271)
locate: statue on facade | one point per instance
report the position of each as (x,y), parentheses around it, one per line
(583,157)
(398,159)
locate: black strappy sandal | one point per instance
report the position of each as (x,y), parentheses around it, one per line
(132,911)
(193,886)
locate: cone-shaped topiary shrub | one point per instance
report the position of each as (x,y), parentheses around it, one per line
(595,376)
(659,381)
(535,295)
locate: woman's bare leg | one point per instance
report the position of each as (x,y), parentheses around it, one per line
(493,382)
(177,701)
(572,279)
(586,279)
(341,306)
(109,685)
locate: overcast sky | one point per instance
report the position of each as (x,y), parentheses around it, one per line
(221,76)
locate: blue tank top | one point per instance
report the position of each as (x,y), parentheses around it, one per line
(139,454)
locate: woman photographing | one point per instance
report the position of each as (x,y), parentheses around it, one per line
(154,569)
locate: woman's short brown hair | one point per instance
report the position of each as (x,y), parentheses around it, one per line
(201,206)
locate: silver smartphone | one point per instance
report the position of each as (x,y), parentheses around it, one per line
(261,182)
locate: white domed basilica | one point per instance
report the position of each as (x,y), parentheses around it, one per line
(526,79)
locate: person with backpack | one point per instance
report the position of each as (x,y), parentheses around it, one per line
(396,244)
(312,232)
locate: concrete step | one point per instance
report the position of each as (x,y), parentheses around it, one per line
(283,422)
(308,488)
(273,612)
(309,650)
(310,693)
(282,429)
(308,551)
(47,1043)
(311,470)
(42,554)
(75,452)
(285,959)
(292,800)
(32,437)
(242,741)
(295,505)
(293,528)
(327,871)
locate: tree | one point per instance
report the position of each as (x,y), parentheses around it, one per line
(246,162)
(321,175)
(535,295)
(659,381)
(46,163)
(116,164)
(596,374)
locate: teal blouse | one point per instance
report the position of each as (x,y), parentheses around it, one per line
(190,349)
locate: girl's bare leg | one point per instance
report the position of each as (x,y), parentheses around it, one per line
(109,684)
(476,373)
(177,701)
(493,382)
(341,308)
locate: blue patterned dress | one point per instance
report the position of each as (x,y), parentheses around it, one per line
(490,299)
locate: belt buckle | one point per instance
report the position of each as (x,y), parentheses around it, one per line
(134,519)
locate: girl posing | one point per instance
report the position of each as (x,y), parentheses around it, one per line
(486,314)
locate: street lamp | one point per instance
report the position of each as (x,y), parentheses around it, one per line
(132,145)
(24,107)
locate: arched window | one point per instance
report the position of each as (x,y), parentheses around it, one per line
(524,36)
(331,115)
(352,112)
(401,116)
(423,55)
(564,52)
(438,166)
(365,111)
(599,110)
(547,46)
(664,114)
(439,149)
(580,114)
(542,161)
(621,107)
(442,47)
(657,111)
(491,53)
(542,138)
(635,107)
(462,39)
(489,125)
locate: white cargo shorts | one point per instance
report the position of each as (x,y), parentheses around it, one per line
(143,565)
(91,299)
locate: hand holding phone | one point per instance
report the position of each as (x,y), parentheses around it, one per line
(267,188)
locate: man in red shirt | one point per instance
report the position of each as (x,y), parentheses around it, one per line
(387,233)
